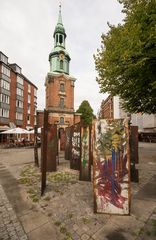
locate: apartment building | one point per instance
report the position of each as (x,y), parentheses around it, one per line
(18,96)
(111,108)
(106,109)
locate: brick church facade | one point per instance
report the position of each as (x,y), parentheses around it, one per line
(59,83)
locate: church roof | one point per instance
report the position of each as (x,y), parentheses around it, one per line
(59,27)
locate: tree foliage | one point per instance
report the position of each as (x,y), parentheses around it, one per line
(87,112)
(126,62)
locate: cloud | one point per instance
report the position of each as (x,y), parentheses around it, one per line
(27,38)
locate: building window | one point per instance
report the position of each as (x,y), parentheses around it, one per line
(60,39)
(35,100)
(28,119)
(29,98)
(4,98)
(28,108)
(19,104)
(35,92)
(29,88)
(61,102)
(18,69)
(19,80)
(19,92)
(4,113)
(3,58)
(61,120)
(62,87)
(5,84)
(61,64)
(19,116)
(5,71)
(35,110)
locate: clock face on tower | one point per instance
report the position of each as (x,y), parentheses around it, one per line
(61,56)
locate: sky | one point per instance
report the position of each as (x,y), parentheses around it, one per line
(26,37)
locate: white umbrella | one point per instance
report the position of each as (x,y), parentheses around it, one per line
(16,131)
(38,130)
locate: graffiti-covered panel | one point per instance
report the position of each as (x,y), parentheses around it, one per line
(85,167)
(68,143)
(111,167)
(75,158)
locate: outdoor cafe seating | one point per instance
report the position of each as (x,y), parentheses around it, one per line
(18,137)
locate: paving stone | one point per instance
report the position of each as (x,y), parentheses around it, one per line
(14,238)
(32,221)
(24,237)
(80,231)
(75,227)
(85,237)
(75,236)
(85,228)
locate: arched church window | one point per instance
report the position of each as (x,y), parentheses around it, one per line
(61,64)
(61,120)
(62,87)
(60,39)
(61,102)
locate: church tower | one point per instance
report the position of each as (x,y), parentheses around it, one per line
(59,83)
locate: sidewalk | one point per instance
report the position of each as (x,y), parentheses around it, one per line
(10,226)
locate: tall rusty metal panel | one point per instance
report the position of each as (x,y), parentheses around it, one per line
(51,148)
(85,164)
(134,156)
(111,167)
(44,152)
(75,153)
(134,144)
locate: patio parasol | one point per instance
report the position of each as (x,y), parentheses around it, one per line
(16,131)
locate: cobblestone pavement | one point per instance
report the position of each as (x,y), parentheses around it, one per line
(10,227)
(149,230)
(68,203)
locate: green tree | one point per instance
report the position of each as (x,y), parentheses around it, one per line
(126,62)
(87,112)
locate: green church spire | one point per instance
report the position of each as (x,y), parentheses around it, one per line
(59,57)
(59,27)
(60,16)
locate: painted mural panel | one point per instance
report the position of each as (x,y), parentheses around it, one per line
(75,158)
(85,168)
(111,167)
(68,143)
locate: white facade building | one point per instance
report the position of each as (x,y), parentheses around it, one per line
(117,108)
(145,122)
